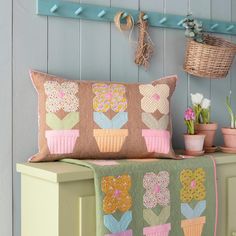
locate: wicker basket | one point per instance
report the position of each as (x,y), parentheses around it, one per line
(211,60)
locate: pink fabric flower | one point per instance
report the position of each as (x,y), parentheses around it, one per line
(61,96)
(189,114)
(156,189)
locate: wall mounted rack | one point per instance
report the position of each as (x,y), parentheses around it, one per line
(103,13)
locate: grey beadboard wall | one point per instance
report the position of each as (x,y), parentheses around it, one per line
(88,50)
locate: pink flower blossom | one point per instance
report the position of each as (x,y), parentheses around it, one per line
(189,114)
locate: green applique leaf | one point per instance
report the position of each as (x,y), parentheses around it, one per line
(68,122)
(150,121)
(152,219)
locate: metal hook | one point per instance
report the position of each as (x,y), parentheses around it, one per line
(214,26)
(54,8)
(101,13)
(230,28)
(78,11)
(180,23)
(163,20)
(145,17)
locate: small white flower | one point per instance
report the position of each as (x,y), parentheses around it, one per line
(206,103)
(196,98)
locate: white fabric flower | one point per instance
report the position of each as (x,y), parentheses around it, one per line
(196,98)
(206,103)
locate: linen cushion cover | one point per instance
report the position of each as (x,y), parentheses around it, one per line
(103,120)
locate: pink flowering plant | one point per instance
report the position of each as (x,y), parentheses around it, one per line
(189,119)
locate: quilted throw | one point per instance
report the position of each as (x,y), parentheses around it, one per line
(155,197)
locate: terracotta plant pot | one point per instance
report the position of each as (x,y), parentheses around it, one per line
(194,142)
(229,137)
(209,130)
(193,227)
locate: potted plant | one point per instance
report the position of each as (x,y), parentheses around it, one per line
(193,142)
(229,134)
(203,124)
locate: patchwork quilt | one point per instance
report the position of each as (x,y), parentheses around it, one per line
(154,197)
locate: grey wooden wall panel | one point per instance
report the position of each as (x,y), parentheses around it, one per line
(6,118)
(173,64)
(88,50)
(156,69)
(29,51)
(221,10)
(123,51)
(64,43)
(201,85)
(95,47)
(233,71)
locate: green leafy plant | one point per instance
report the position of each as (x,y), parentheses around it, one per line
(193,29)
(231,113)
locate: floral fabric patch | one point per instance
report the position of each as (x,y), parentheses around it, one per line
(61,96)
(109,96)
(193,185)
(116,189)
(155,98)
(156,189)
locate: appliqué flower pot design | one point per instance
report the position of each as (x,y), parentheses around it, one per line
(209,130)
(194,142)
(157,140)
(229,137)
(61,141)
(124,233)
(159,230)
(193,227)
(110,140)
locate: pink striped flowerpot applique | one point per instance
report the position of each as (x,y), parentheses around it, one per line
(193,227)
(157,140)
(159,230)
(61,141)
(124,233)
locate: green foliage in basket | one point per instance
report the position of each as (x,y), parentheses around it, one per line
(193,28)
(231,113)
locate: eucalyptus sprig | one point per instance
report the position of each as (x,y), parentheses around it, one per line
(193,29)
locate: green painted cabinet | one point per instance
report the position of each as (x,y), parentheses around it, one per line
(57,199)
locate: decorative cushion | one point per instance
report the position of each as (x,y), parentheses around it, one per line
(103,120)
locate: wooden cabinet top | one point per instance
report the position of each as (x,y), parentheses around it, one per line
(64,172)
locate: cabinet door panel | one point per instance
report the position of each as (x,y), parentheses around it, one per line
(231,214)
(87,216)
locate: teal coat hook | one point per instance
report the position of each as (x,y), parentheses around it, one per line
(102,13)
(76,10)
(180,23)
(230,27)
(54,8)
(214,26)
(163,20)
(125,14)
